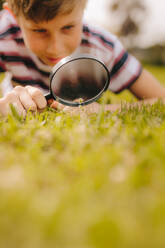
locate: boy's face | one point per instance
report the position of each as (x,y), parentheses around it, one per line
(52,40)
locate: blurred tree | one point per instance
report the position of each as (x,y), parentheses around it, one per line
(130,15)
(1,2)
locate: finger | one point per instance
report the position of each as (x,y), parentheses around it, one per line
(19,108)
(54,104)
(3,107)
(57,105)
(66,109)
(13,98)
(25,98)
(72,110)
(37,96)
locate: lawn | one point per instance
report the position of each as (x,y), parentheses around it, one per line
(89,181)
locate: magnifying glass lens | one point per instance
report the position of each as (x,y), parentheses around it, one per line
(80,79)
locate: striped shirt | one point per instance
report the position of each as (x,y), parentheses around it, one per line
(24,68)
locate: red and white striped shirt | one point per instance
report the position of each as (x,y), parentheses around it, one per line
(24,68)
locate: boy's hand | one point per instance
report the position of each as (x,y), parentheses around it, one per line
(89,109)
(23,99)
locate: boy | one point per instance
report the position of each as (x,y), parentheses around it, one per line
(36,34)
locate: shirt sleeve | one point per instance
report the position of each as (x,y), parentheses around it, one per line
(125,69)
(2,66)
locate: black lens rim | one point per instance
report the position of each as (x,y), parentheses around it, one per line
(76,104)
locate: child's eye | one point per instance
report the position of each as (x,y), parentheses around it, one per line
(68,27)
(39,30)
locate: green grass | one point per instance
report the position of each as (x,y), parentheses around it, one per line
(90,181)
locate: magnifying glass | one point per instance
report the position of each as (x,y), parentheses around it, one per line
(78,80)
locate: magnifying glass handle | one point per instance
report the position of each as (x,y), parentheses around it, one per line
(48,96)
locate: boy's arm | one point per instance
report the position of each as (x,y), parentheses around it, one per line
(147,87)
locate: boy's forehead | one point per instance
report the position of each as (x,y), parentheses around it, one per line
(72,17)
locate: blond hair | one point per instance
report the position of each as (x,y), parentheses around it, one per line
(43,10)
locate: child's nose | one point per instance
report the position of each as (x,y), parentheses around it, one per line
(53,45)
